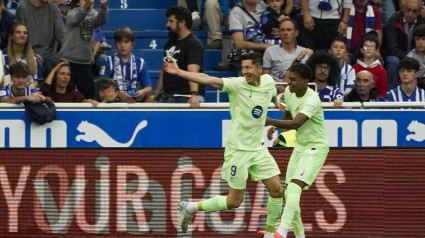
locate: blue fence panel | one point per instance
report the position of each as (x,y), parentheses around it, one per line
(196,128)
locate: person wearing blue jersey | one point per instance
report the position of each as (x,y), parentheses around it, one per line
(348,74)
(249,98)
(19,92)
(304,113)
(130,72)
(19,49)
(326,75)
(408,91)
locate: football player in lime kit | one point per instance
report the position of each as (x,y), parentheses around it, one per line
(303,112)
(245,151)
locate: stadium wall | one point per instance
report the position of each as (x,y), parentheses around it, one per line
(360,192)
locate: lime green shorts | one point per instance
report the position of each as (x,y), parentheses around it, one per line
(237,164)
(305,164)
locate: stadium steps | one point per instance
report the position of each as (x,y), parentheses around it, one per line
(147,20)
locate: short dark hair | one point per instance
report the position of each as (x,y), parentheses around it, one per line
(303,70)
(124,32)
(181,14)
(255,57)
(339,39)
(104,83)
(409,63)
(371,39)
(290,20)
(419,31)
(20,69)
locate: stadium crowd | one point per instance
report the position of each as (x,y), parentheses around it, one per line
(340,40)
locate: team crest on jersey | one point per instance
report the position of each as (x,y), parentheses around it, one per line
(257,111)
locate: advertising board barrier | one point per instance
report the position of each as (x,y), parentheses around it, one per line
(119,193)
(206,128)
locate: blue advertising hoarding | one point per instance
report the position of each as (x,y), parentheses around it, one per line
(91,128)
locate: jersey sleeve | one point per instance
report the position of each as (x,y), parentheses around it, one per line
(106,68)
(231,84)
(389,96)
(267,59)
(143,77)
(3,93)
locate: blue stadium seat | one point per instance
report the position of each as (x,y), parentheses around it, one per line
(147,4)
(154,58)
(144,38)
(136,19)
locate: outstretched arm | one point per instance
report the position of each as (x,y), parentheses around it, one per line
(298,121)
(171,67)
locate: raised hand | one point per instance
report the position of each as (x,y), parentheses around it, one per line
(170,66)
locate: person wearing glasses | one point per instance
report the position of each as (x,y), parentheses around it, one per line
(399,37)
(369,49)
(326,75)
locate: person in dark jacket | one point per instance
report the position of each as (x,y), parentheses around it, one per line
(365,90)
(399,41)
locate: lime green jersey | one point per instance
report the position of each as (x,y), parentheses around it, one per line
(248,109)
(312,132)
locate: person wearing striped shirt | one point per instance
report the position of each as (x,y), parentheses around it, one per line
(408,91)
(326,75)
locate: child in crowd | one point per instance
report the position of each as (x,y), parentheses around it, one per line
(107,90)
(130,72)
(419,53)
(369,47)
(348,74)
(270,21)
(78,43)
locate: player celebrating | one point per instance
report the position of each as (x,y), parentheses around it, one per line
(245,151)
(303,112)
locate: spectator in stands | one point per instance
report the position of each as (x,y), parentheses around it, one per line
(57,87)
(192,5)
(215,14)
(364,17)
(188,51)
(19,91)
(19,50)
(348,74)
(365,90)
(321,21)
(270,20)
(12,5)
(6,22)
(419,53)
(130,72)
(278,58)
(107,90)
(46,28)
(82,20)
(244,20)
(408,90)
(399,37)
(370,45)
(326,73)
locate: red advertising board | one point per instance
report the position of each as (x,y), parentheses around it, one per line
(119,193)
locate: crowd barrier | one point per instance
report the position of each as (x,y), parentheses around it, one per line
(120,193)
(158,125)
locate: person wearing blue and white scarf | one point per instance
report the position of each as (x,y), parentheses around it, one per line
(130,72)
(364,17)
